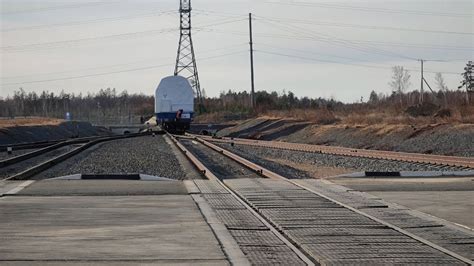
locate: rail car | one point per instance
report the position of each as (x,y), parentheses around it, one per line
(174,104)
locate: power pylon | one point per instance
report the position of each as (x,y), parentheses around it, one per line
(185,60)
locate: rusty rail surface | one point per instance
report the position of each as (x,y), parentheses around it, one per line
(466,162)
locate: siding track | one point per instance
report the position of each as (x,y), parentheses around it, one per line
(461,162)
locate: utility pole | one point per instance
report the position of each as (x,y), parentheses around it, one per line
(252,94)
(422,80)
(185,59)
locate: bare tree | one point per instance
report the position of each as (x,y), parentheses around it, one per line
(400,81)
(442,86)
(440,82)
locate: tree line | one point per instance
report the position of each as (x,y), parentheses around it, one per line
(108,106)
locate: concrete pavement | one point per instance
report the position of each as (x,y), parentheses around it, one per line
(449,198)
(105,222)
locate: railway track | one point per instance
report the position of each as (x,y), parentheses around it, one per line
(462,162)
(29,164)
(308,224)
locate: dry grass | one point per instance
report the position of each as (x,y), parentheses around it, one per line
(388,119)
(29,121)
(220,117)
(363,116)
(321,116)
(464,115)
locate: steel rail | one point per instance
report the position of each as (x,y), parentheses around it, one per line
(41,144)
(334,150)
(50,163)
(211,176)
(35,153)
(271,174)
(28,145)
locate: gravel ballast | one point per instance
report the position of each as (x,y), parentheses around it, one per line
(21,166)
(141,155)
(262,156)
(220,165)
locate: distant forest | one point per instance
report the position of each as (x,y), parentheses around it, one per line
(109,106)
(104,107)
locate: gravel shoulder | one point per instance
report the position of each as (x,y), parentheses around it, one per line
(144,155)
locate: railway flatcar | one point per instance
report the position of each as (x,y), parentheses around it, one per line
(174,104)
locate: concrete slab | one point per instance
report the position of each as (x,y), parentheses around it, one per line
(407,184)
(163,229)
(7,186)
(449,198)
(454,206)
(103,188)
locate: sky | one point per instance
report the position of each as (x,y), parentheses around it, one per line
(339,49)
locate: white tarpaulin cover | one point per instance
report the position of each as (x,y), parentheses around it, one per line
(174,93)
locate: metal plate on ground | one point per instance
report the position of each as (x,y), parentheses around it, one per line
(381,253)
(356,240)
(323,220)
(274,255)
(222,201)
(240,219)
(343,231)
(433,230)
(391,261)
(209,187)
(256,238)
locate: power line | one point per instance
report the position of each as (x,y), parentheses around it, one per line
(217,13)
(320,60)
(122,35)
(26,47)
(339,42)
(334,40)
(330,38)
(416,45)
(373,9)
(220,22)
(113,72)
(342,63)
(117,65)
(305,32)
(58,7)
(74,23)
(355,44)
(110,19)
(351,58)
(350,25)
(306,52)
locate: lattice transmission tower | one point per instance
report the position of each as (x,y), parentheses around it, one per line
(186,60)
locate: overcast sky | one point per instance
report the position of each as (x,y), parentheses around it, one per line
(340,49)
